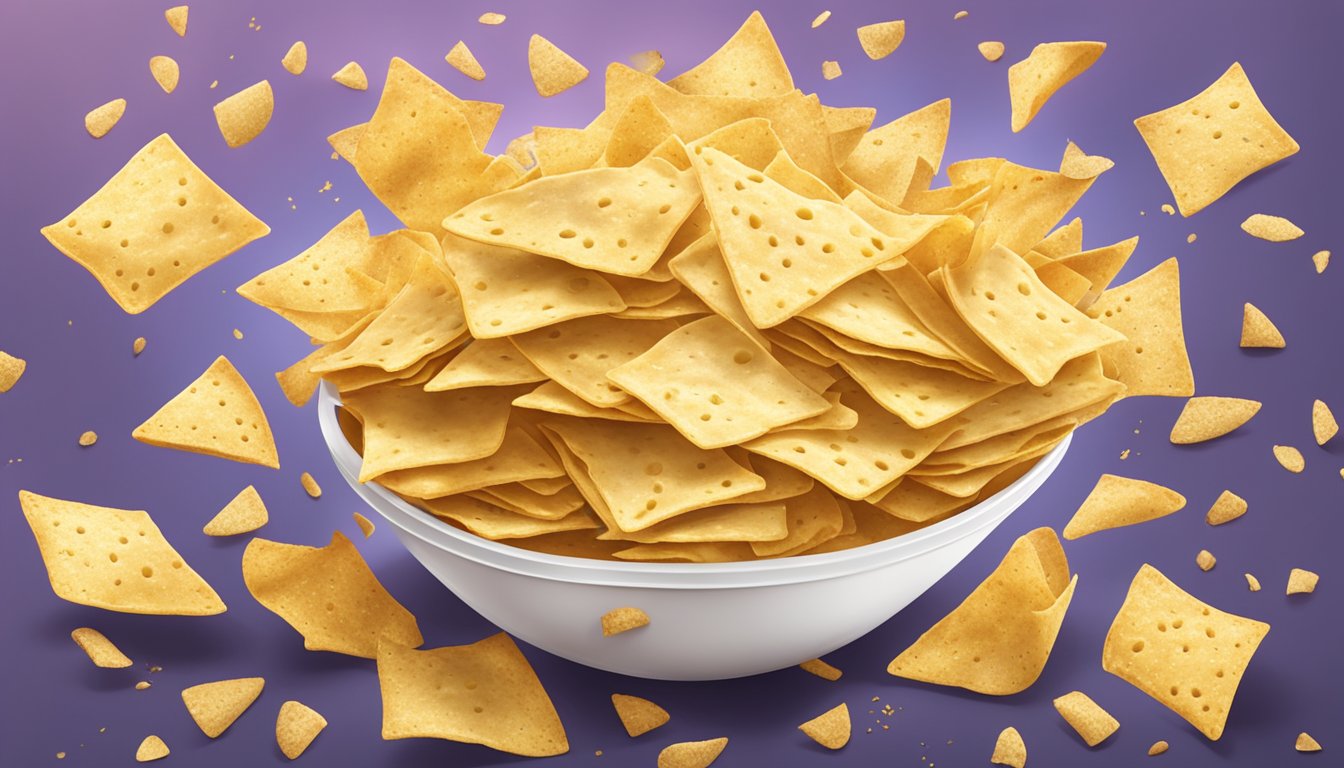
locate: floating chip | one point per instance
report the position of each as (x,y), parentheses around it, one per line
(553,70)
(1320,259)
(1290,458)
(464,61)
(352,76)
(244,115)
(215,706)
(692,754)
(1305,743)
(1158,748)
(1032,81)
(366,526)
(310,486)
(152,748)
(100,650)
(1077,164)
(295,60)
(1119,501)
(749,64)
(406,427)
(830,729)
(1252,583)
(1206,145)
(114,559)
(830,69)
(218,415)
(104,118)
(1091,722)
(619,620)
(88,438)
(154,224)
(177,19)
(295,728)
(1299,582)
(11,370)
(1186,654)
(1204,418)
(1275,229)
(483,693)
(992,50)
(882,39)
(1006,627)
(648,62)
(246,513)
(638,716)
(1205,560)
(491,18)
(1228,507)
(165,71)
(328,594)
(1009,749)
(885,158)
(1257,330)
(822,669)
(1323,424)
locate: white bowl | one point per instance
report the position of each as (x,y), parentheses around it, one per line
(708,621)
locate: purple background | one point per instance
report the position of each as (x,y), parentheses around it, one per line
(61,58)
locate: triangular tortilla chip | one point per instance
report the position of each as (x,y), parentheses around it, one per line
(328,277)
(328,595)
(748,64)
(553,70)
(1063,240)
(114,559)
(783,170)
(1257,330)
(485,363)
(295,728)
(1024,204)
(215,706)
(352,76)
(751,141)
(218,415)
(884,160)
(244,115)
(295,60)
(880,40)
(1049,67)
(1147,310)
(154,224)
(464,61)
(101,651)
(638,716)
(177,19)
(151,748)
(830,729)
(1009,749)
(577,354)
(998,640)
(246,513)
(639,130)
(1204,418)
(1077,164)
(847,127)
(483,693)
(1305,743)
(1119,501)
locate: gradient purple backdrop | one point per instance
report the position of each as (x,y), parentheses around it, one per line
(62,57)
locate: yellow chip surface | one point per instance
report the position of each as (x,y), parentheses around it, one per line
(1205,418)
(1009,749)
(1290,458)
(104,118)
(151,748)
(464,61)
(748,64)
(821,669)
(177,19)
(518,458)
(1226,508)
(295,60)
(1080,165)
(830,729)
(1092,723)
(328,594)
(11,370)
(623,619)
(244,514)
(638,716)
(1258,331)
(1049,67)
(215,706)
(1152,360)
(154,224)
(1275,229)
(1305,743)
(1120,501)
(165,72)
(295,728)
(692,754)
(1205,560)
(101,651)
(992,50)
(1301,581)
(352,76)
(882,39)
(1323,424)
(244,115)
(217,415)
(553,70)
(491,18)
(114,559)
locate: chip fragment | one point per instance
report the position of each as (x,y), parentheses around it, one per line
(1321,260)
(992,50)
(104,118)
(831,728)
(1323,424)
(1092,723)
(11,370)
(244,115)
(553,70)
(1205,560)
(101,651)
(830,69)
(352,76)
(165,72)
(882,39)
(88,438)
(821,669)
(215,706)
(1010,749)
(1228,507)
(1252,583)
(1258,331)
(1275,229)
(177,19)
(1301,581)
(295,728)
(1205,418)
(1158,748)
(1305,743)
(692,754)
(1115,502)
(310,486)
(244,514)
(1049,67)
(491,18)
(464,61)
(366,525)
(295,60)
(217,415)
(638,716)
(623,619)
(151,748)
(1290,458)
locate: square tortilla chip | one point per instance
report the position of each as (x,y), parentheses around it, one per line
(295,728)
(748,64)
(1205,418)
(328,595)
(101,651)
(217,415)
(114,559)
(215,706)
(1049,67)
(831,728)
(157,221)
(553,70)
(922,396)
(1206,145)
(246,513)
(868,309)
(638,716)
(1006,627)
(1147,310)
(624,619)
(578,354)
(1090,721)
(483,693)
(519,458)
(1116,502)
(1186,654)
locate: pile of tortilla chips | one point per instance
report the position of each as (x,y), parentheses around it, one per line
(722,321)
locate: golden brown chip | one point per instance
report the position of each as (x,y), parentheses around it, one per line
(296,58)
(244,115)
(624,619)
(553,70)
(1302,581)
(1147,311)
(1080,165)
(310,486)
(749,64)
(692,754)
(820,19)
(992,50)
(245,513)
(1032,81)
(104,118)
(1120,501)
(464,61)
(328,594)
(1228,507)
(1275,229)
(1205,560)
(295,728)
(639,716)
(11,370)
(165,72)
(152,748)
(882,39)
(1158,747)
(1321,260)
(215,706)
(101,651)
(177,19)
(1305,743)
(218,415)
(830,729)
(830,69)
(1252,583)
(1290,458)
(366,526)
(1009,749)
(822,669)
(491,18)
(88,438)
(1091,722)
(352,76)
(1257,330)
(1323,424)
(1204,418)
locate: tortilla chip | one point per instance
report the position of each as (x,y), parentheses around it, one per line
(619,620)
(177,19)
(491,18)
(494,521)
(1252,583)
(1323,424)
(692,754)
(749,64)
(328,595)
(638,716)
(1206,145)
(1009,749)
(246,513)
(821,669)
(519,458)
(648,62)
(882,39)
(1305,743)
(104,118)
(553,70)
(1257,330)
(1116,502)
(884,160)
(1204,418)
(217,415)
(1186,654)
(463,60)
(154,224)
(830,729)
(1299,582)
(1032,81)
(1275,229)
(215,706)
(11,370)
(1205,560)
(1091,722)
(483,693)
(100,650)
(830,69)
(1147,311)
(352,76)
(1006,626)
(1228,507)
(244,115)
(114,559)
(165,72)
(1320,259)
(992,50)
(1079,165)
(295,728)
(310,486)
(1290,458)
(152,747)
(295,60)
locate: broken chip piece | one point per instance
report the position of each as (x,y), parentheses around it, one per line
(1305,743)
(624,619)
(11,370)
(992,50)
(1049,67)
(1290,458)
(177,19)
(104,118)
(1009,749)
(638,716)
(366,526)
(1205,560)
(1275,229)
(831,728)
(1252,583)
(1257,330)
(88,438)
(1302,581)
(217,415)
(553,70)
(150,749)
(215,706)
(352,76)
(1158,748)
(1321,260)
(295,728)
(244,514)
(882,39)
(165,72)
(1226,508)
(1205,418)
(1120,501)
(464,61)
(100,650)
(244,115)
(1085,716)
(310,486)
(822,669)
(295,60)
(692,754)
(1323,424)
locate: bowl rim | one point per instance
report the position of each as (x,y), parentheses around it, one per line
(421,525)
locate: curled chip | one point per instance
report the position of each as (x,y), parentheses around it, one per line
(114,559)
(692,754)
(1323,424)
(1186,654)
(329,595)
(464,61)
(624,619)
(218,415)
(882,39)
(1302,582)
(1009,749)
(1204,418)
(1252,583)
(998,640)
(104,118)
(638,716)
(1119,501)
(482,693)
(352,76)
(491,18)
(1275,229)
(165,72)
(1032,81)
(822,669)
(1091,722)
(244,514)
(101,651)
(150,749)
(295,60)
(295,728)
(366,526)
(244,115)
(1228,507)
(830,729)
(1290,458)
(215,706)
(553,70)
(1257,330)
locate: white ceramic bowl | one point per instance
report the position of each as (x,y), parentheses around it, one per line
(708,621)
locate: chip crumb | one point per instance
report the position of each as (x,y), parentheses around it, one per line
(1258,331)
(1290,458)
(214,84)
(1323,424)
(138,346)
(1158,748)
(1228,507)
(992,50)
(1168,209)
(104,118)
(295,60)
(821,19)
(366,526)
(882,39)
(623,619)
(1305,743)
(491,18)
(1091,722)
(1275,229)
(352,76)
(1302,582)
(1009,749)
(88,438)
(830,69)
(60,755)
(463,60)
(1124,454)
(1252,583)
(1321,259)
(152,748)
(823,670)
(177,19)
(237,334)
(1192,237)
(310,485)
(1205,560)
